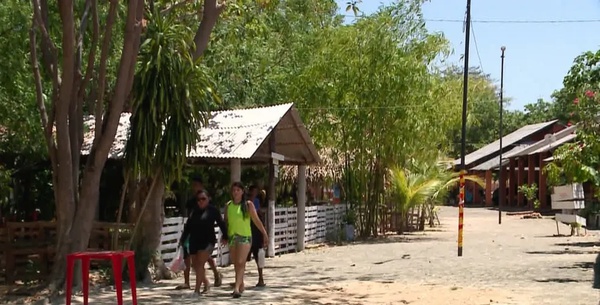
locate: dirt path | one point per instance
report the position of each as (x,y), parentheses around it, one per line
(518,262)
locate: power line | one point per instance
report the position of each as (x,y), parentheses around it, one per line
(519,21)
(502,21)
(477,48)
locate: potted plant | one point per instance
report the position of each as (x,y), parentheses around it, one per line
(349,222)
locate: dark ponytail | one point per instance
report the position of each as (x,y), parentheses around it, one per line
(244,203)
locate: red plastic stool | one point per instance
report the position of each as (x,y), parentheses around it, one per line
(117,260)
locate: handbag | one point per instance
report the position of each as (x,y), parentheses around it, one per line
(178,263)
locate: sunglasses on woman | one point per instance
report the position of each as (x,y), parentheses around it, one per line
(202,198)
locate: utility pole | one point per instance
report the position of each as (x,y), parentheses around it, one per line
(501,186)
(461,203)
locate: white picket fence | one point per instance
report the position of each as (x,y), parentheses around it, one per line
(319,221)
(169,240)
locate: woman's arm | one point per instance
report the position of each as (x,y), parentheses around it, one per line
(255,218)
(221,223)
(186,231)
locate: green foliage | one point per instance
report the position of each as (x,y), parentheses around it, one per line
(172,97)
(530,192)
(583,75)
(579,162)
(540,111)
(20,130)
(409,189)
(483,112)
(349,217)
(5,190)
(569,166)
(422,186)
(256,49)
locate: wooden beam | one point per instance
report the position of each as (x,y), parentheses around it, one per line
(520,180)
(235,170)
(531,167)
(502,187)
(488,188)
(476,195)
(512,181)
(542,182)
(272,197)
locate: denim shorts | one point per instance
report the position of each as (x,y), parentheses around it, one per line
(240,240)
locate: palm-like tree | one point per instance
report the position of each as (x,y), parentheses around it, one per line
(423,187)
(171,100)
(409,190)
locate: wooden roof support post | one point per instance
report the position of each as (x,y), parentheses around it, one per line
(300,213)
(502,187)
(512,181)
(488,188)
(531,174)
(236,170)
(273,169)
(543,197)
(520,180)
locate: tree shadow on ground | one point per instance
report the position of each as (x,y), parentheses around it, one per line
(276,294)
(280,267)
(553,236)
(581,265)
(394,239)
(583,244)
(559,252)
(562,280)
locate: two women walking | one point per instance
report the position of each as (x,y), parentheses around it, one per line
(240,213)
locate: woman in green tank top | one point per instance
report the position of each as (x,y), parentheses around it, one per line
(239,213)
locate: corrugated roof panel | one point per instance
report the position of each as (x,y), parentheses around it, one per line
(544,142)
(495,162)
(117,151)
(554,144)
(507,140)
(229,134)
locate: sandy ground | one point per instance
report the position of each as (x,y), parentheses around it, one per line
(518,262)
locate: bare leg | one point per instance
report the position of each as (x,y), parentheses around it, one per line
(240,261)
(261,280)
(198,269)
(186,274)
(213,267)
(232,258)
(201,272)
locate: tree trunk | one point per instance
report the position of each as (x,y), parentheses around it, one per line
(146,245)
(76,203)
(76,234)
(422,217)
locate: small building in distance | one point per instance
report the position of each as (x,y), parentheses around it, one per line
(524,153)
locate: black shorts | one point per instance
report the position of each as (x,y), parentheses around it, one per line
(195,248)
(254,252)
(257,244)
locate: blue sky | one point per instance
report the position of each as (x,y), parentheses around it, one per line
(537,55)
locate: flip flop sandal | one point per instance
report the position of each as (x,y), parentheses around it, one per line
(182,287)
(236,295)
